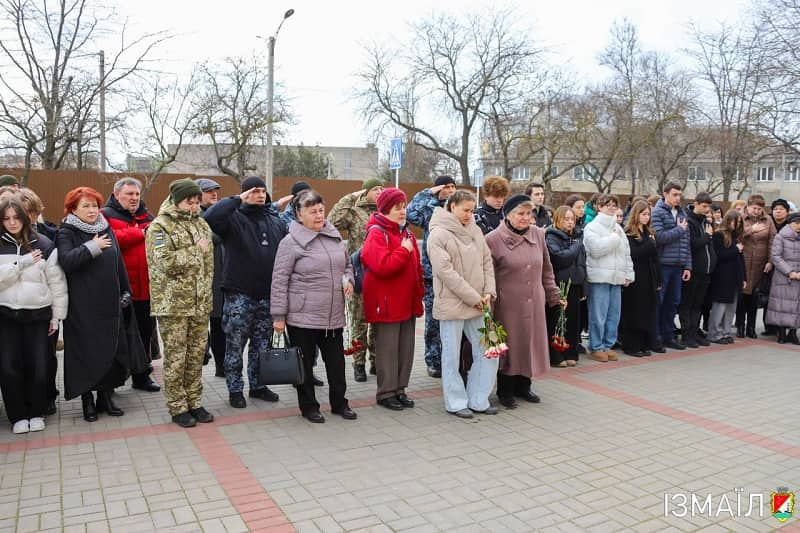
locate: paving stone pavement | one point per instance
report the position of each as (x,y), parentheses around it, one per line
(598,454)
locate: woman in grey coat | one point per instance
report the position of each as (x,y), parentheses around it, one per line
(311,279)
(783,310)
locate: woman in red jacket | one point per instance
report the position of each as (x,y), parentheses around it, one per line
(392,292)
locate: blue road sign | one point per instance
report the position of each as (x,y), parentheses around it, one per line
(396,154)
(477,177)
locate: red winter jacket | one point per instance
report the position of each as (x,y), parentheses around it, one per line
(128,229)
(392,289)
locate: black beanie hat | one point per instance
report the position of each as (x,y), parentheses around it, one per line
(299,186)
(252,182)
(514,201)
(782,202)
(793,217)
(182,189)
(444,180)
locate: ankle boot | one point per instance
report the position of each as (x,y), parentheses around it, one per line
(791,336)
(106,404)
(781,335)
(740,331)
(751,332)
(89,411)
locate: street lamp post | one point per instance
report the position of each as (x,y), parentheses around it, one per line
(270,98)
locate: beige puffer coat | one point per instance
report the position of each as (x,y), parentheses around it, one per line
(462,266)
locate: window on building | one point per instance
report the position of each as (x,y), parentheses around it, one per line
(766,174)
(578,174)
(554,172)
(522,173)
(696,174)
(793,172)
(738,175)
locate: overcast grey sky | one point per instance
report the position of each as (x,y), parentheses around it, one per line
(319,48)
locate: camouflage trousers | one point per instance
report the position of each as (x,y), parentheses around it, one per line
(184,347)
(360,330)
(243,319)
(433,342)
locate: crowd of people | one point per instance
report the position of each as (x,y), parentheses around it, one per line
(205,276)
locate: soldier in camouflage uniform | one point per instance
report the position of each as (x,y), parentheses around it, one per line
(351,214)
(180,258)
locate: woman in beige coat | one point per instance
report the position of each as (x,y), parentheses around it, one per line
(463,282)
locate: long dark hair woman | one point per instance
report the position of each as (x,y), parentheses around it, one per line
(639,299)
(729,279)
(33,299)
(96,354)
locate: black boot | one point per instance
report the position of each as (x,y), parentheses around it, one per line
(781,335)
(740,331)
(359,372)
(89,411)
(751,332)
(791,336)
(106,404)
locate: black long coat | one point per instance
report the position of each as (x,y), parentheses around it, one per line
(729,274)
(639,299)
(93,330)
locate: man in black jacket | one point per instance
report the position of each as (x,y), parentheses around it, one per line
(540,214)
(704,260)
(250,231)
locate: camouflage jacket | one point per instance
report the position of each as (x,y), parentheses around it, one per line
(180,272)
(351,214)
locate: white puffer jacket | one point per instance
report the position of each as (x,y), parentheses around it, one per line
(608,255)
(28,285)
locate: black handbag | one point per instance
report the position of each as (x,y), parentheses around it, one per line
(763,289)
(281,364)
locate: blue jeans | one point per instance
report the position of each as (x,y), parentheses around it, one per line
(605,302)
(669,298)
(482,374)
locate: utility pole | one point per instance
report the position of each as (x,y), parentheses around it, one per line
(270,98)
(102,111)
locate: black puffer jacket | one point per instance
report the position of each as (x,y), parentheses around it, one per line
(487,217)
(567,256)
(704,258)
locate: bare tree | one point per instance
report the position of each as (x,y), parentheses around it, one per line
(232,111)
(164,104)
(46,48)
(732,63)
(778,21)
(455,63)
(672,136)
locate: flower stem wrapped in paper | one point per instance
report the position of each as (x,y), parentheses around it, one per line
(559,339)
(493,336)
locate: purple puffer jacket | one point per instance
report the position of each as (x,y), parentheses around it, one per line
(307,287)
(784,295)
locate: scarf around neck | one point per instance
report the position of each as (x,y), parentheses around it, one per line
(101,224)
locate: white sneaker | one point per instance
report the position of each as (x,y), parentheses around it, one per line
(37,423)
(21,426)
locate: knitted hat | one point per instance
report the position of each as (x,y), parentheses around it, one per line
(299,186)
(182,189)
(444,180)
(389,198)
(8,179)
(515,201)
(251,182)
(206,184)
(779,201)
(793,217)
(371,183)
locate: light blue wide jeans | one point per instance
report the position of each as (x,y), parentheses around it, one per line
(482,375)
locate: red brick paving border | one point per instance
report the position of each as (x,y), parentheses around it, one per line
(258,511)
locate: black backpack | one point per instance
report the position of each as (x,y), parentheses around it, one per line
(358,267)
